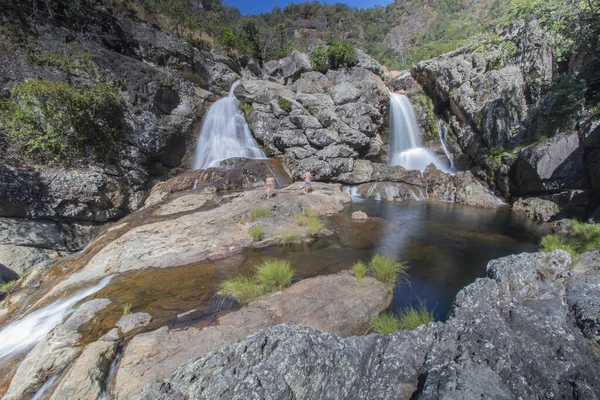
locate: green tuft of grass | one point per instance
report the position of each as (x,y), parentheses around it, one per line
(583,237)
(359,269)
(556,242)
(259,212)
(242,289)
(256,232)
(126,309)
(310,213)
(6,286)
(411,318)
(289,236)
(314,226)
(284,104)
(274,275)
(587,236)
(385,323)
(387,270)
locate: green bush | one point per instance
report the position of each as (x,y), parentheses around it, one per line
(387,270)
(284,104)
(256,232)
(555,242)
(385,323)
(289,236)
(315,225)
(318,58)
(246,108)
(510,48)
(259,212)
(341,54)
(584,237)
(359,269)
(411,318)
(6,286)
(274,275)
(53,122)
(242,289)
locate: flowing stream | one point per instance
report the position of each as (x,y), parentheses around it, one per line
(407,149)
(25,333)
(225,134)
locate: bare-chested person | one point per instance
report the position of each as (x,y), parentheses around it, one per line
(307,178)
(269,186)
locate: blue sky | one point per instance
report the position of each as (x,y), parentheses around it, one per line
(256,7)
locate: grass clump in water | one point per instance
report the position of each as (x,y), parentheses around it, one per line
(271,276)
(274,275)
(583,237)
(408,319)
(126,309)
(256,232)
(289,236)
(387,270)
(359,269)
(6,286)
(311,220)
(259,212)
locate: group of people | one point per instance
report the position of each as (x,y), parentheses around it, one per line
(270,184)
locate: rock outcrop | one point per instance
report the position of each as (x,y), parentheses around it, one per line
(334,303)
(510,335)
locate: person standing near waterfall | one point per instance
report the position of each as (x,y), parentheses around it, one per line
(269,186)
(307,178)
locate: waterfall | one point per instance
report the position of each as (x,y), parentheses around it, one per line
(443,132)
(28,331)
(225,134)
(406,146)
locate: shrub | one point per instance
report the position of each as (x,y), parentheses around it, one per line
(256,232)
(246,108)
(126,308)
(318,58)
(555,242)
(359,269)
(411,318)
(289,236)
(259,212)
(509,47)
(584,237)
(242,289)
(6,286)
(284,104)
(387,270)
(274,275)
(385,323)
(341,54)
(54,122)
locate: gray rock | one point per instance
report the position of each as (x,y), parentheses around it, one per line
(132,322)
(550,166)
(53,354)
(590,132)
(22,258)
(344,93)
(484,350)
(45,234)
(583,294)
(536,208)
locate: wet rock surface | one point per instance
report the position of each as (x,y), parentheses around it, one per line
(510,335)
(334,303)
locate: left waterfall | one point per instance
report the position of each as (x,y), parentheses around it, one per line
(225,134)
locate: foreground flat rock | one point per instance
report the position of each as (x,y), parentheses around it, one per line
(206,233)
(511,336)
(331,303)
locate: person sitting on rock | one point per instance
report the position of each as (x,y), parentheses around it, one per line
(307,178)
(269,186)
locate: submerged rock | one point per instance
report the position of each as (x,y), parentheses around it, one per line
(510,336)
(334,303)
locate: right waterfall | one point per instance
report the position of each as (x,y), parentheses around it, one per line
(405,138)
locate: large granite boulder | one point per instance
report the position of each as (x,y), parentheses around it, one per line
(551,166)
(510,335)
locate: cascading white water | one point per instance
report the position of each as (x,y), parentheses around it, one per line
(405,138)
(225,134)
(28,331)
(443,132)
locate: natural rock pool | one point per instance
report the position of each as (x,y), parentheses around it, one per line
(446,247)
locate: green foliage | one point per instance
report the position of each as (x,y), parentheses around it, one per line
(54,122)
(496,154)
(274,275)
(242,289)
(259,212)
(387,270)
(270,276)
(246,108)
(256,232)
(385,323)
(126,309)
(227,41)
(510,48)
(289,236)
(359,269)
(411,318)
(424,103)
(318,58)
(284,104)
(6,286)
(584,237)
(315,225)
(341,54)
